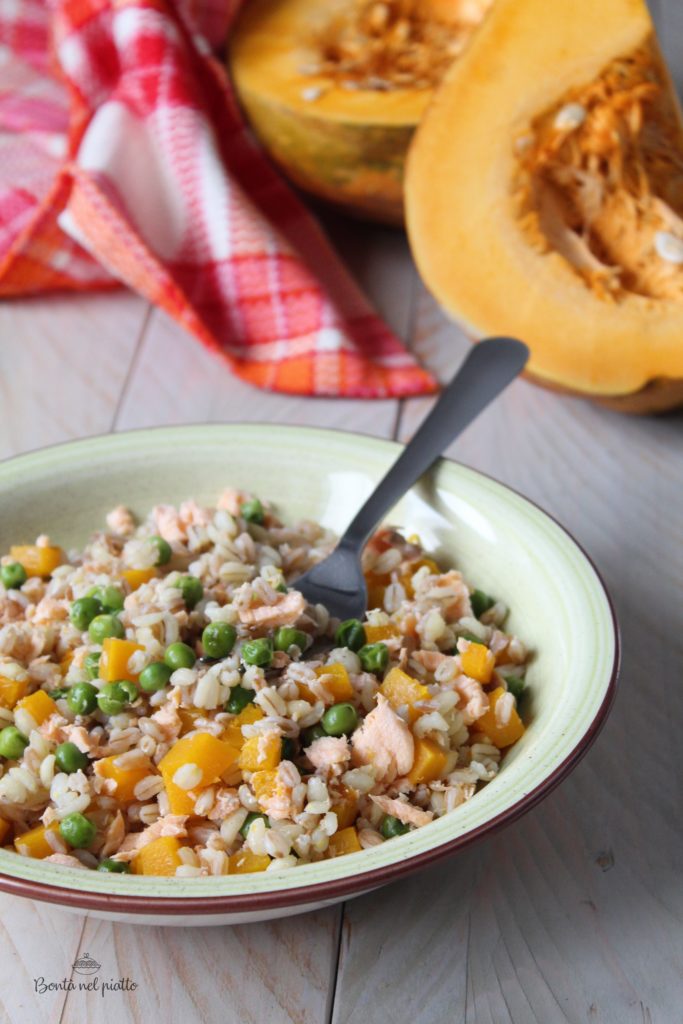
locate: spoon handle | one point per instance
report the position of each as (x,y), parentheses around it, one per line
(487,370)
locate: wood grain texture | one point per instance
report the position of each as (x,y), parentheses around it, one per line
(63,362)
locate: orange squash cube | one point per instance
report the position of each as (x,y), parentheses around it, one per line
(179,800)
(5,827)
(478,662)
(245,862)
(114,660)
(247,716)
(429,762)
(261,752)
(211,755)
(374,634)
(400,689)
(65,663)
(336,682)
(126,779)
(136,577)
(345,806)
(305,693)
(11,691)
(406,578)
(34,843)
(266,785)
(37,561)
(189,716)
(343,842)
(39,706)
(160,857)
(377,584)
(500,735)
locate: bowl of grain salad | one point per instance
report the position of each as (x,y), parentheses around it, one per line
(185,740)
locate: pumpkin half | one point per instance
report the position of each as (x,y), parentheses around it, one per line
(544,197)
(334,91)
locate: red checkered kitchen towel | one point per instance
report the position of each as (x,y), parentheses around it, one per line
(123,158)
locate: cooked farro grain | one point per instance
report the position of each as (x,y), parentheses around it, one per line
(214,749)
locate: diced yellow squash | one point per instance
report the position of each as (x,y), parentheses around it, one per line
(37,561)
(65,663)
(305,693)
(374,634)
(344,841)
(5,827)
(136,577)
(345,806)
(247,716)
(336,682)
(160,857)
(400,689)
(179,800)
(212,756)
(478,662)
(114,659)
(500,735)
(429,762)
(34,843)
(189,716)
(39,706)
(245,862)
(376,584)
(406,578)
(11,691)
(261,752)
(266,785)
(126,779)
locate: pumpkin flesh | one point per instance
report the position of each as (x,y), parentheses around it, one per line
(558,197)
(334,92)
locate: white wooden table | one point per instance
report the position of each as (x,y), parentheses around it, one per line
(573,913)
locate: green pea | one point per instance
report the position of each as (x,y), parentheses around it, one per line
(238,699)
(218,639)
(192,590)
(253,511)
(516,686)
(69,758)
(340,720)
(78,830)
(155,676)
(480,602)
(288,752)
(282,588)
(103,626)
(12,743)
(391,827)
(117,867)
(374,657)
(164,551)
(91,664)
(82,698)
(286,637)
(350,634)
(249,821)
(179,655)
(13,575)
(109,597)
(83,611)
(313,733)
(113,697)
(129,688)
(258,652)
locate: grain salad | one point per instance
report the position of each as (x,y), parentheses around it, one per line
(171,705)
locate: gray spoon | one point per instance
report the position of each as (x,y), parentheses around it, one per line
(338,581)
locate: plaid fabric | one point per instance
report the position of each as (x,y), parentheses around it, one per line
(124,159)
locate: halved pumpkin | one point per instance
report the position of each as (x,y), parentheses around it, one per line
(334,91)
(544,197)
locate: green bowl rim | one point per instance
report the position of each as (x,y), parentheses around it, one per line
(333,889)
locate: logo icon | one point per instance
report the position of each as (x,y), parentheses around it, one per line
(86,965)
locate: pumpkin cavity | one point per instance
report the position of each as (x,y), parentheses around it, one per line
(385,45)
(600,181)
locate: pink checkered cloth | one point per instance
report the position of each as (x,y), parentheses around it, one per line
(124,159)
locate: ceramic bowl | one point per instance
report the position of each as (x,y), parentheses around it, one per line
(501,542)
